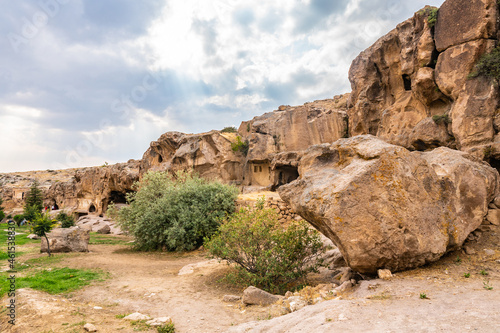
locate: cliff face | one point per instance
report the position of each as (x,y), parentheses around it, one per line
(209,154)
(410,88)
(417,72)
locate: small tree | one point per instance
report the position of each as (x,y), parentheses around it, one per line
(2,214)
(41,225)
(268,254)
(34,201)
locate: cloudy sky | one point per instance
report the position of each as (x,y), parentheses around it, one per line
(84,82)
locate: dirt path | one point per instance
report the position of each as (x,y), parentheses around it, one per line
(150,283)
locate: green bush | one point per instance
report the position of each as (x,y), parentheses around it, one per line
(241,146)
(168,327)
(488,65)
(431,13)
(18,219)
(267,254)
(175,212)
(441,118)
(229,129)
(65,219)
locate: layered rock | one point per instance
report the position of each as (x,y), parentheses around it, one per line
(417,72)
(71,239)
(92,189)
(275,137)
(209,154)
(387,207)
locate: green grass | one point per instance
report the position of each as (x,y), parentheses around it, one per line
(20,239)
(55,281)
(96,238)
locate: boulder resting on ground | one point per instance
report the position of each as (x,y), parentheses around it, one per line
(388,208)
(72,239)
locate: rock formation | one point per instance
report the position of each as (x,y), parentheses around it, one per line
(387,207)
(418,71)
(412,89)
(209,154)
(71,239)
(92,189)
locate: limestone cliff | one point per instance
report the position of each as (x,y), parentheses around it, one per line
(419,71)
(410,88)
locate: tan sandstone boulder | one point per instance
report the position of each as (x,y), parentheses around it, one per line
(72,239)
(386,207)
(461,21)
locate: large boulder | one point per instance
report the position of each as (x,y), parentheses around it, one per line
(461,21)
(72,239)
(386,207)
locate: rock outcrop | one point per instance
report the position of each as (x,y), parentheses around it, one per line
(71,239)
(418,71)
(387,207)
(92,189)
(209,154)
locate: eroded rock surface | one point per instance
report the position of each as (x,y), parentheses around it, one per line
(72,239)
(387,207)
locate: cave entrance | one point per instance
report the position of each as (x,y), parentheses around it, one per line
(286,174)
(92,209)
(118,197)
(407,82)
(495,163)
(160,159)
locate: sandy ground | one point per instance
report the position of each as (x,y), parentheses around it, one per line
(150,283)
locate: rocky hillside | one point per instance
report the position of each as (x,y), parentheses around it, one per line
(411,93)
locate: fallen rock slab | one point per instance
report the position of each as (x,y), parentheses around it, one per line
(72,239)
(388,208)
(256,296)
(137,316)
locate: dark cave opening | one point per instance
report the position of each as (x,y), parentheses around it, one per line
(92,209)
(407,82)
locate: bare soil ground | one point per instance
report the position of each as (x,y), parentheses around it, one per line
(149,283)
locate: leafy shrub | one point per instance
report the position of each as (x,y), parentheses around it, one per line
(431,13)
(488,65)
(66,220)
(268,255)
(18,219)
(441,118)
(175,214)
(240,146)
(229,129)
(168,327)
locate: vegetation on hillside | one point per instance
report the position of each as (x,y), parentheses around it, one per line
(65,219)
(241,146)
(229,129)
(175,212)
(488,65)
(268,254)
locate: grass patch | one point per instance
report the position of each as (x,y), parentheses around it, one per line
(55,281)
(96,238)
(20,239)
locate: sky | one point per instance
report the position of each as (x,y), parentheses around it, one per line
(89,82)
